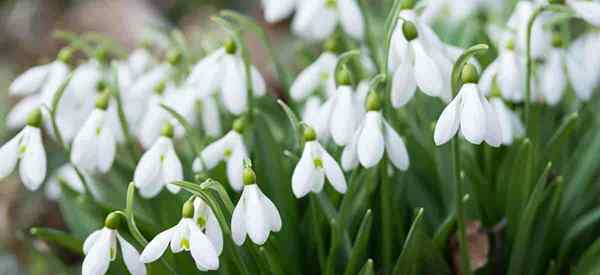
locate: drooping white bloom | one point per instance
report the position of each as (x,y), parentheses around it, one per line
(320,74)
(471,111)
(541,38)
(67,175)
(317,19)
(223,71)
(345,115)
(26,149)
(277,10)
(417,59)
(510,124)
(255,215)
(94,147)
(41,78)
(159,167)
(198,231)
(100,248)
(314,165)
(17,117)
(583,65)
(373,138)
(553,79)
(310,115)
(229,148)
(586,10)
(507,72)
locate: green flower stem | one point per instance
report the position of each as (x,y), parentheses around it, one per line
(387,227)
(61,238)
(131,145)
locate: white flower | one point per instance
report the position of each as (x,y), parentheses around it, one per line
(375,137)
(417,58)
(583,65)
(27,149)
(541,38)
(345,115)
(140,60)
(17,117)
(198,232)
(254,215)
(41,78)
(230,148)
(277,10)
(510,124)
(507,72)
(553,79)
(314,165)
(94,147)
(320,74)
(310,115)
(586,10)
(67,175)
(471,111)
(224,71)
(100,248)
(317,19)
(158,167)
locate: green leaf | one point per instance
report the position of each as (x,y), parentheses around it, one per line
(60,238)
(367,269)
(359,250)
(407,261)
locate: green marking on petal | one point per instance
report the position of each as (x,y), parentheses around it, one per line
(228,152)
(318,162)
(185,243)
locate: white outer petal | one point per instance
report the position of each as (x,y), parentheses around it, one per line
(238,220)
(235,167)
(427,75)
(172,170)
(32,167)
(256,218)
(204,253)
(344,116)
(233,89)
(97,260)
(272,213)
(493,132)
(30,81)
(148,170)
(587,10)
(395,148)
(447,125)
(131,257)
(334,173)
(305,173)
(213,231)
(277,10)
(10,155)
(553,80)
(17,117)
(351,19)
(404,85)
(91,240)
(308,80)
(157,247)
(472,114)
(371,144)
(215,152)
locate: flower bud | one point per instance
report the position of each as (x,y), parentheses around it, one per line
(249,176)
(407,5)
(344,77)
(373,101)
(112,221)
(409,29)
(187,211)
(173,57)
(102,101)
(65,55)
(160,88)
(309,134)
(239,125)
(167,130)
(469,74)
(34,119)
(230,46)
(557,41)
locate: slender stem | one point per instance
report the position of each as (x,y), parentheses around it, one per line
(460,215)
(386,216)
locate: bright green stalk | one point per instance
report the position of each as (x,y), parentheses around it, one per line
(385,198)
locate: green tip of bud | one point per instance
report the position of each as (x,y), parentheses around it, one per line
(409,29)
(470,74)
(407,5)
(112,221)
(187,211)
(230,46)
(160,88)
(101,55)
(66,54)
(167,130)
(344,77)
(239,125)
(330,3)
(34,118)
(556,2)
(332,45)
(102,101)
(309,134)
(373,101)
(174,57)
(557,41)
(510,44)
(249,176)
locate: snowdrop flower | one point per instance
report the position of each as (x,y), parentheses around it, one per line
(140,60)
(100,248)
(317,19)
(314,165)
(224,71)
(44,78)
(510,124)
(198,232)
(507,72)
(67,175)
(553,80)
(540,37)
(583,65)
(254,215)
(17,117)
(27,149)
(584,9)
(230,148)
(159,166)
(320,74)
(155,116)
(345,113)
(471,111)
(94,147)
(277,10)
(417,61)
(373,138)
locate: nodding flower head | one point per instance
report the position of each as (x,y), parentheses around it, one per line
(409,29)
(112,221)
(230,46)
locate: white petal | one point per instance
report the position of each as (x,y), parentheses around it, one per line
(271,212)
(211,119)
(97,260)
(131,257)
(10,155)
(180,231)
(257,221)
(238,222)
(156,247)
(493,132)
(344,116)
(509,77)
(172,170)
(84,149)
(215,152)
(17,117)
(313,20)
(235,167)
(587,10)
(553,80)
(208,73)
(351,19)
(395,148)
(234,92)
(305,174)
(58,73)
(32,167)
(350,155)
(447,125)
(30,81)
(213,231)
(504,118)
(147,173)
(107,146)
(258,82)
(487,78)
(277,10)
(427,74)
(203,252)
(91,240)
(308,80)
(334,173)
(404,85)
(371,145)
(472,115)
(139,61)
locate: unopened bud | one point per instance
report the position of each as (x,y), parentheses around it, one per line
(65,55)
